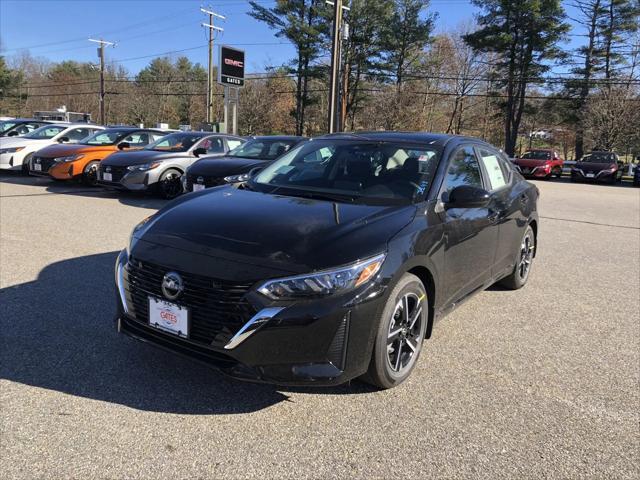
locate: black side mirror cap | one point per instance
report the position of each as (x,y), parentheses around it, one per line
(63,139)
(200,151)
(123,145)
(466,196)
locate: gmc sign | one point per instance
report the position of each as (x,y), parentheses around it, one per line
(231,68)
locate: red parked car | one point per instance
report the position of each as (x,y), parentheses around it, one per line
(540,163)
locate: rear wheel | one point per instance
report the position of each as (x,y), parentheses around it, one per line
(169,185)
(400,335)
(518,278)
(90,173)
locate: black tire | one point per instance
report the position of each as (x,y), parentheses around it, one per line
(169,186)
(90,173)
(25,164)
(557,172)
(574,179)
(399,337)
(518,278)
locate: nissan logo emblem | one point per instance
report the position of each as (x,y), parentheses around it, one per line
(107,169)
(172,285)
(200,179)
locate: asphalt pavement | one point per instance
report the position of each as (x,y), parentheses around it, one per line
(540,382)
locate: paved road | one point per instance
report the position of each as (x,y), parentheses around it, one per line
(542,382)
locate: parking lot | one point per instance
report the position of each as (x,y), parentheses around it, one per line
(540,382)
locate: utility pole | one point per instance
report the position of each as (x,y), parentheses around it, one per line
(101,55)
(334,87)
(212,30)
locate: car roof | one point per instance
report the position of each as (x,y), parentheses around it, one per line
(136,129)
(277,137)
(439,139)
(23,120)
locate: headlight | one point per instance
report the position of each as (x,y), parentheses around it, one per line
(11,150)
(70,158)
(144,167)
(132,238)
(327,282)
(237,178)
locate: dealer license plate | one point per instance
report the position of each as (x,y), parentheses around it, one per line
(590,175)
(169,317)
(197,187)
(37,167)
(107,177)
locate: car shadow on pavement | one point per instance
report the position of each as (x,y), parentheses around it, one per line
(58,333)
(53,187)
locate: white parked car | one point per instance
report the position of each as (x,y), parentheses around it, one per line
(15,152)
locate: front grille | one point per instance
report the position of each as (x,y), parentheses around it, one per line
(116,172)
(46,163)
(217,307)
(208,182)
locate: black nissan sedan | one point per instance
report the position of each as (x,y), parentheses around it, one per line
(211,172)
(334,262)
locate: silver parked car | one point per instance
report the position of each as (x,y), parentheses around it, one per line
(159,166)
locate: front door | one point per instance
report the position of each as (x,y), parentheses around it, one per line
(470,238)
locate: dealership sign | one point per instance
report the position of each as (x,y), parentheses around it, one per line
(231,68)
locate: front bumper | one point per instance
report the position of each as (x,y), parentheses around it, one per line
(602,175)
(323,342)
(535,172)
(135,181)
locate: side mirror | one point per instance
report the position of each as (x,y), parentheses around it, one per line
(12,134)
(466,196)
(63,139)
(123,145)
(200,151)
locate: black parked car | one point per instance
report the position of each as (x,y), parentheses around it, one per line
(598,166)
(333,262)
(211,172)
(636,174)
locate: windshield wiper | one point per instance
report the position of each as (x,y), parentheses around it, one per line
(332,197)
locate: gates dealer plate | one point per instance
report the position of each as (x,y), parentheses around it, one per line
(169,317)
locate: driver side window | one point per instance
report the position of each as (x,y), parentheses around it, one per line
(464,169)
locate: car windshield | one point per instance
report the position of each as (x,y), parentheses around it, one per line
(263,149)
(537,155)
(352,171)
(106,137)
(46,132)
(176,142)
(6,125)
(604,157)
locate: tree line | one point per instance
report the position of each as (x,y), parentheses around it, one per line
(503,77)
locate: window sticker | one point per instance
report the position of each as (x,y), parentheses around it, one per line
(496,176)
(423,164)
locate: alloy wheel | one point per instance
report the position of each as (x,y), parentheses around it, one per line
(527,248)
(404,334)
(171,186)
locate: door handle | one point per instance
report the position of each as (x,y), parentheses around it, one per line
(493,216)
(524,198)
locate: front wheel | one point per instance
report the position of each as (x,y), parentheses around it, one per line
(518,278)
(557,172)
(400,335)
(90,174)
(25,164)
(170,185)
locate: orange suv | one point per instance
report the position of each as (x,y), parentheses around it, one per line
(80,160)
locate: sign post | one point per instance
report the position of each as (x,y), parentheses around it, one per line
(231,75)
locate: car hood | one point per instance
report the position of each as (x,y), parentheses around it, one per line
(138,157)
(223,166)
(530,162)
(11,142)
(290,234)
(593,166)
(62,150)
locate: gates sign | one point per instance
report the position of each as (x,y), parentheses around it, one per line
(231,68)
